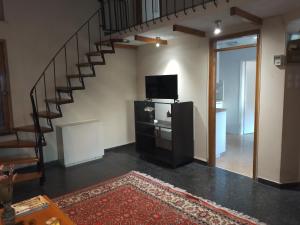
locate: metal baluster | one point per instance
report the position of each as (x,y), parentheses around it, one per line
(77,48)
(215,3)
(160,10)
(36,100)
(203,4)
(175,9)
(167,10)
(54,75)
(135,15)
(110,19)
(89,36)
(115,15)
(45,87)
(184,7)
(123,10)
(126,15)
(153,19)
(193,6)
(120,16)
(146,14)
(103,15)
(66,59)
(100,28)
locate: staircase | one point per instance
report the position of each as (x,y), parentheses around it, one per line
(108,21)
(51,106)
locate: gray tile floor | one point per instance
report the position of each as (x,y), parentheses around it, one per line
(268,204)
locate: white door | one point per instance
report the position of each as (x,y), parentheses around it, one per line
(248,96)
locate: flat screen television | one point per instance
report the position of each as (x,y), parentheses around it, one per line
(162,87)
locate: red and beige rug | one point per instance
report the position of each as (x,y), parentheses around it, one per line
(137,199)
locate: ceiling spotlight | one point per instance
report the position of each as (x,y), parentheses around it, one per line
(157,43)
(218,28)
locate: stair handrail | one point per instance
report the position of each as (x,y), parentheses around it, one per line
(39,136)
(63,46)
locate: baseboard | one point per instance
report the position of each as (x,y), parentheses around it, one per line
(202,162)
(279,185)
(120,146)
(33,167)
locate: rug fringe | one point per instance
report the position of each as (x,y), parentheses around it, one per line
(236,213)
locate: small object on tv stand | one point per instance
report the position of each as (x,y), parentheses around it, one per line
(169,114)
(169,141)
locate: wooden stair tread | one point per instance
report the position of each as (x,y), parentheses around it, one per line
(70,76)
(19,161)
(22,177)
(31,128)
(18,144)
(48,115)
(87,64)
(59,101)
(68,89)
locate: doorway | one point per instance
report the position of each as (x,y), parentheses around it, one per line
(233,109)
(5,103)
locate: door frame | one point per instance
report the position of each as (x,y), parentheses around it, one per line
(212,94)
(8,111)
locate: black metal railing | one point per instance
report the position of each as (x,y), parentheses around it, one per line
(126,15)
(112,17)
(47,83)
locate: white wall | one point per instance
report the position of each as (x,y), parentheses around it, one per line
(187,57)
(230,73)
(34,30)
(271,100)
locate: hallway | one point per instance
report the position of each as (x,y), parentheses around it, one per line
(238,157)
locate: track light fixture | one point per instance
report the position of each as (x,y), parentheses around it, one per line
(218,27)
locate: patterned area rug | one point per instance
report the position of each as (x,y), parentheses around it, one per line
(137,199)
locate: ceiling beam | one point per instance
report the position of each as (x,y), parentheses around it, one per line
(189,30)
(150,40)
(117,45)
(235,11)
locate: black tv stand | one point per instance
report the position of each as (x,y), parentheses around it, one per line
(165,133)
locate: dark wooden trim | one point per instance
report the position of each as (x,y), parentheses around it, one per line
(236,48)
(127,46)
(235,11)
(31,168)
(189,30)
(212,104)
(201,162)
(117,147)
(277,185)
(149,40)
(212,96)
(8,111)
